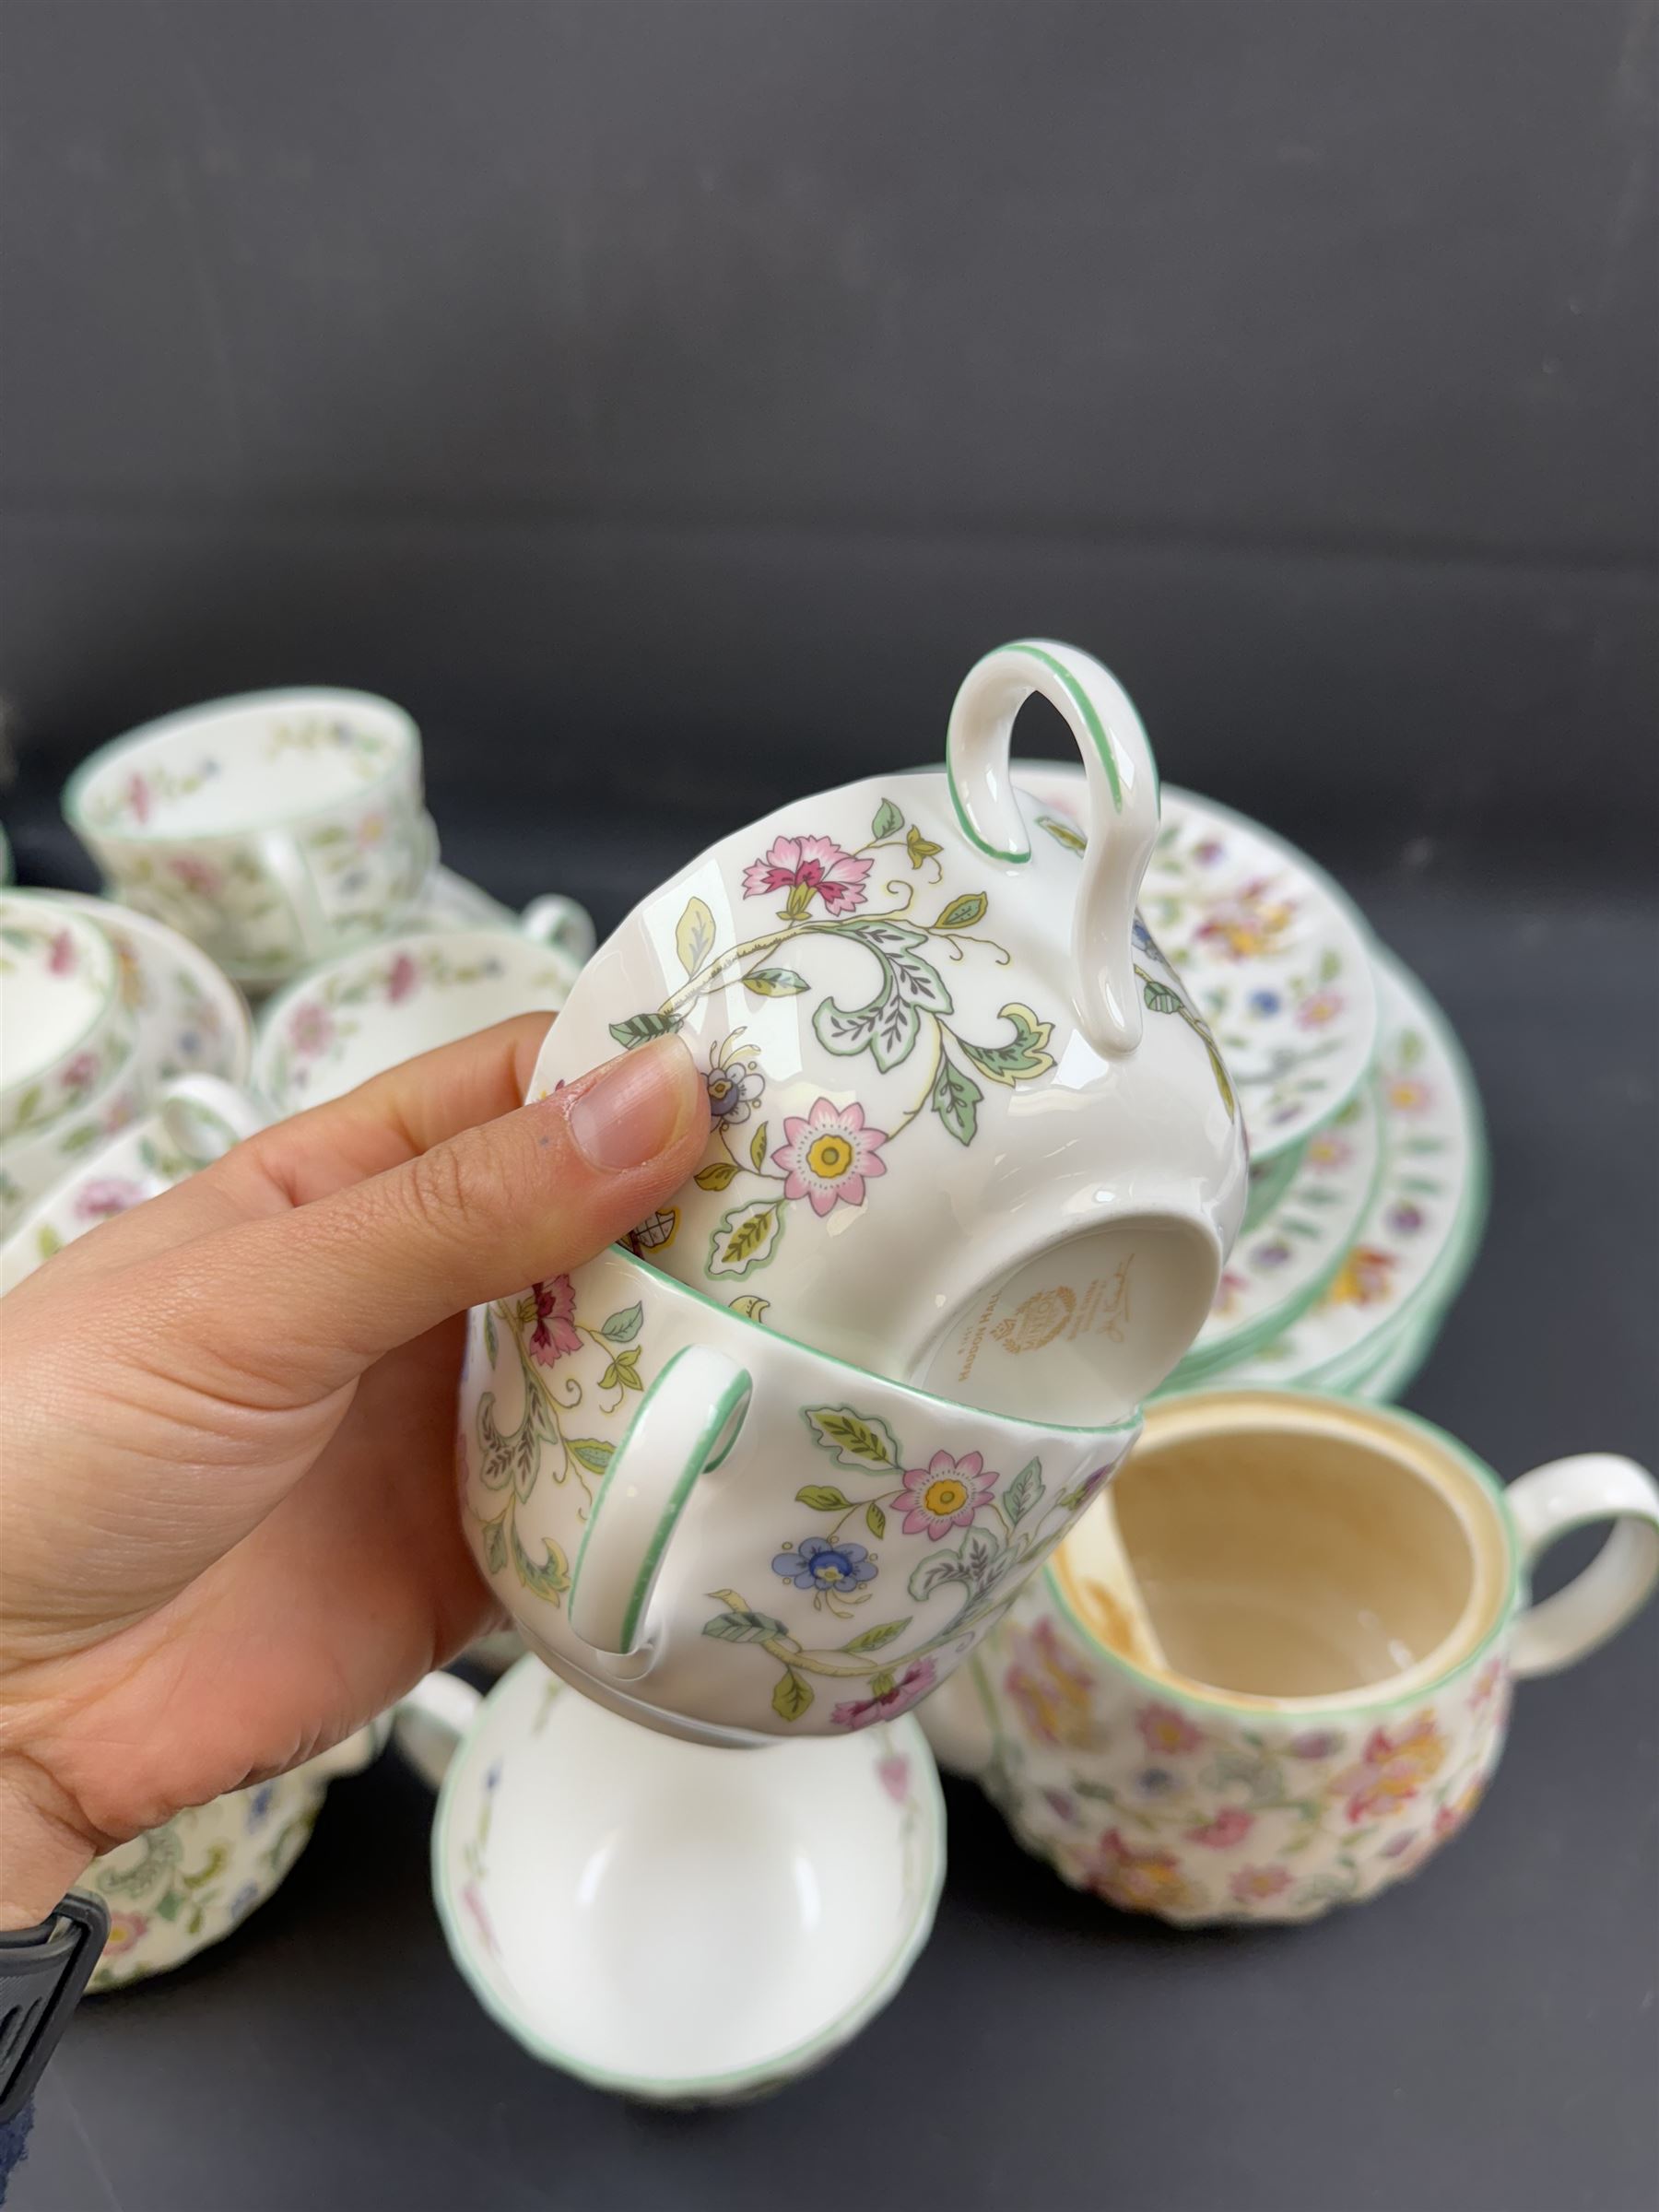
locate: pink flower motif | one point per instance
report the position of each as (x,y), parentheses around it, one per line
(1252,1884)
(62,958)
(1225,1828)
(1316,1743)
(108,1195)
(1328,1153)
(945,1494)
(886,1704)
(1486,1685)
(1164,1729)
(194,874)
(310,1030)
(1208,853)
(1406,1095)
(137,798)
(894,1771)
(555,1333)
(1227,1291)
(473,1898)
(830,1154)
(402,979)
(808,867)
(1397,1846)
(1317,1012)
(80,1071)
(125,1930)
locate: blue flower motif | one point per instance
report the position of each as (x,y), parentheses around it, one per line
(1142,936)
(259,1805)
(819,1565)
(1266,1002)
(493,1778)
(246,1897)
(1152,1782)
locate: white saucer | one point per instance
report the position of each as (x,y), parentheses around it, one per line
(191,1018)
(1276,959)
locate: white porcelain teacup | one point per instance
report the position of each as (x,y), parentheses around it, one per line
(1339,1597)
(727,1535)
(674,1923)
(277,830)
(968,1130)
(65,1031)
(340,1025)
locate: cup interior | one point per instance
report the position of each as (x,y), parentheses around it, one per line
(1299,1550)
(57,978)
(241,765)
(671,1919)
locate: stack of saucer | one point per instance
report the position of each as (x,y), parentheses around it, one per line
(1368,1151)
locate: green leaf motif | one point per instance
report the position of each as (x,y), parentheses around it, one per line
(963,913)
(758,1149)
(750,1308)
(747,1238)
(716,1175)
(741,1626)
(1024,1492)
(1161,999)
(495,1544)
(623,1373)
(640,1028)
(550,1577)
(491,1343)
(774,983)
(920,847)
(592,1451)
(876,1521)
(857,1440)
(954,1098)
(694,935)
(1018,1062)
(873,1639)
(1064,832)
(938,1568)
(823,1498)
(792,1697)
(888,820)
(623,1327)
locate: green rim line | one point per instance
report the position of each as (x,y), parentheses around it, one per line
(1091,721)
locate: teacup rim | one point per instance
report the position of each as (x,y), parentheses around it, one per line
(668,2088)
(403,940)
(107,985)
(1101,1430)
(1361,1705)
(181,718)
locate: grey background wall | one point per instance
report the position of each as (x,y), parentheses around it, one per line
(667,401)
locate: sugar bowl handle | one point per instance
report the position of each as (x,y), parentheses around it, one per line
(1122,809)
(686,1423)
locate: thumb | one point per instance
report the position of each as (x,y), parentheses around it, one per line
(306,1300)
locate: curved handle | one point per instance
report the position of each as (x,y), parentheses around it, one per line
(563,925)
(1569,1494)
(429,1723)
(1123,808)
(686,1423)
(289,865)
(204,1117)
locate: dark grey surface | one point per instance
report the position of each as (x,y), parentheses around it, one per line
(667,401)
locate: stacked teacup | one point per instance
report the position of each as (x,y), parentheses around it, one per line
(974,1169)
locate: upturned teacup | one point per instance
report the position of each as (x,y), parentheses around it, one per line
(727,1535)
(1340,1596)
(65,1031)
(276,829)
(597,1883)
(968,1130)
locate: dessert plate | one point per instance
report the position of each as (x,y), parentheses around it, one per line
(1276,957)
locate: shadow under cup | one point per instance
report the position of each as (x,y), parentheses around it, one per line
(1307,1555)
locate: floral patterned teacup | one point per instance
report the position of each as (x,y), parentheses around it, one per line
(726,1535)
(277,830)
(363,1014)
(969,1129)
(175,1889)
(664,1919)
(64,1030)
(1340,1596)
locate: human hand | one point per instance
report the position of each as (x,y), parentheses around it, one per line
(228,1525)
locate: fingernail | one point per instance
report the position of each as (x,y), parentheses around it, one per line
(634,1107)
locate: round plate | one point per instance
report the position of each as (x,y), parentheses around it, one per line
(1276,957)
(191,1018)
(1288,1257)
(1420,1232)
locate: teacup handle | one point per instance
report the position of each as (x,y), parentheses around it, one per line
(1569,1494)
(687,1422)
(430,1721)
(283,857)
(204,1117)
(1122,809)
(563,925)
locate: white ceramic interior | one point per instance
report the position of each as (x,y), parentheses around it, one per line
(671,1921)
(57,993)
(226,769)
